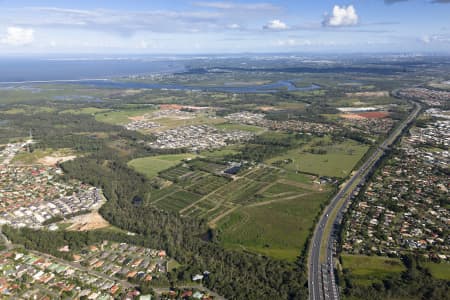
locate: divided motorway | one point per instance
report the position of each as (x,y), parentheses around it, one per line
(321,279)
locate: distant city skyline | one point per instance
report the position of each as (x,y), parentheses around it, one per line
(193,27)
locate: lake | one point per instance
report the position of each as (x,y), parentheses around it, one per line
(285,85)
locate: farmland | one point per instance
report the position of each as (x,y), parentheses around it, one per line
(215,194)
(251,211)
(178,200)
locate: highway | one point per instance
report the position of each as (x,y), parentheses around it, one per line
(321,279)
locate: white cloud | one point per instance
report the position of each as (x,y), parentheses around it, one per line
(293,42)
(207,16)
(143,45)
(126,23)
(341,16)
(426,39)
(18,36)
(233,5)
(435,38)
(234,26)
(276,25)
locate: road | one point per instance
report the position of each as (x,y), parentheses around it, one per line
(321,279)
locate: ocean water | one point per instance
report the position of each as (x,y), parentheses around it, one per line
(41,69)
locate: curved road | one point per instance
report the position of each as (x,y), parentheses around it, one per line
(321,277)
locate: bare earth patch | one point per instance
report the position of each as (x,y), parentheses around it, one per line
(369,94)
(132,92)
(374,114)
(137,118)
(267,108)
(351,116)
(54,160)
(87,222)
(170,106)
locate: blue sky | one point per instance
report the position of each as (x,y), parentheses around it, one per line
(189,27)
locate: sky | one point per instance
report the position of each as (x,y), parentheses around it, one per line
(202,27)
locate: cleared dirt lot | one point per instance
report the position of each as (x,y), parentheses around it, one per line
(86,222)
(374,114)
(351,116)
(365,115)
(54,160)
(369,94)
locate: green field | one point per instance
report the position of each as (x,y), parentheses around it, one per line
(14,111)
(365,270)
(28,110)
(298,177)
(85,111)
(120,117)
(337,161)
(280,188)
(152,165)
(278,229)
(31,158)
(440,271)
(219,154)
